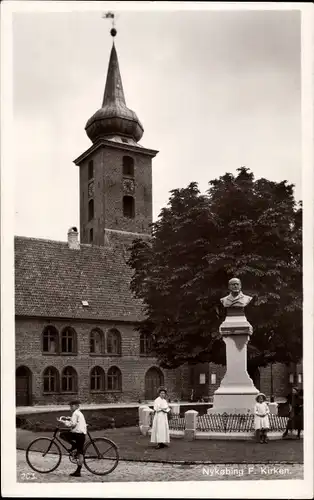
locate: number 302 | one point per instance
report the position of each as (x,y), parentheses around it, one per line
(28,476)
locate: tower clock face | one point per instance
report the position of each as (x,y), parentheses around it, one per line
(128,185)
(91,189)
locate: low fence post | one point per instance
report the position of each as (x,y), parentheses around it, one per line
(190,424)
(175,408)
(273,408)
(146,415)
(140,414)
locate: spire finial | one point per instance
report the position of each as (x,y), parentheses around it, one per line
(114,118)
(110,15)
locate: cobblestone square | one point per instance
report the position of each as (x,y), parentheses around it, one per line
(151,471)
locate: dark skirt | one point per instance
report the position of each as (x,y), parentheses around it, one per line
(296,420)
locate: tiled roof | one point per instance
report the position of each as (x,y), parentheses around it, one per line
(52,280)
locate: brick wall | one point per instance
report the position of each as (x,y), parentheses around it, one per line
(280,379)
(220,371)
(108,193)
(279,373)
(132,366)
(191,380)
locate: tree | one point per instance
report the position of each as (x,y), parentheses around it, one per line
(251,229)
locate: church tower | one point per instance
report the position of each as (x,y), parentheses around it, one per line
(116,171)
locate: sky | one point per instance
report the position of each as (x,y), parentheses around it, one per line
(214,90)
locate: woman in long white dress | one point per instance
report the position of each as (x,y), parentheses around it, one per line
(160,429)
(261,421)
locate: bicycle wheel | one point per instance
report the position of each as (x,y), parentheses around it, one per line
(101,456)
(43,455)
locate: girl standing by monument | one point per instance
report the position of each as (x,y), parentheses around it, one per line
(261,412)
(160,429)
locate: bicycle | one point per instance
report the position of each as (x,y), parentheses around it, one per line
(102,451)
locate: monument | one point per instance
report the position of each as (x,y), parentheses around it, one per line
(237,392)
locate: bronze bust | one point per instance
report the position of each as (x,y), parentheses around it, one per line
(235,298)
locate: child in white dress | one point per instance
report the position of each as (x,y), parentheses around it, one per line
(261,422)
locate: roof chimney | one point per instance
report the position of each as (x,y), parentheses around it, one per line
(73,241)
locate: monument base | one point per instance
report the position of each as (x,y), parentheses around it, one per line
(235,398)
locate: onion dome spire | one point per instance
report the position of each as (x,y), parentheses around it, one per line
(114,118)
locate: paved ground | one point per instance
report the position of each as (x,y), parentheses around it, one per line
(148,471)
(133,446)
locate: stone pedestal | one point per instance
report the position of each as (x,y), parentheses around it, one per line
(175,408)
(237,392)
(146,419)
(273,408)
(140,414)
(190,424)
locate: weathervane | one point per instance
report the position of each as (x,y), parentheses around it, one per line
(110,15)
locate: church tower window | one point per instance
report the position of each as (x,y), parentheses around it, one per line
(128,166)
(90,209)
(128,207)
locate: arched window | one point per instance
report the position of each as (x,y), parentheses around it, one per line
(128,207)
(146,344)
(50,340)
(114,342)
(128,166)
(96,342)
(114,379)
(68,341)
(97,379)
(69,380)
(91,209)
(51,379)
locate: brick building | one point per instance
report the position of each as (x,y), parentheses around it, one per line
(75,315)
(75,320)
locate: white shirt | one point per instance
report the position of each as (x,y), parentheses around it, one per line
(79,422)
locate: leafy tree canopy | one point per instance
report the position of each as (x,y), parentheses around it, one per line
(242,227)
